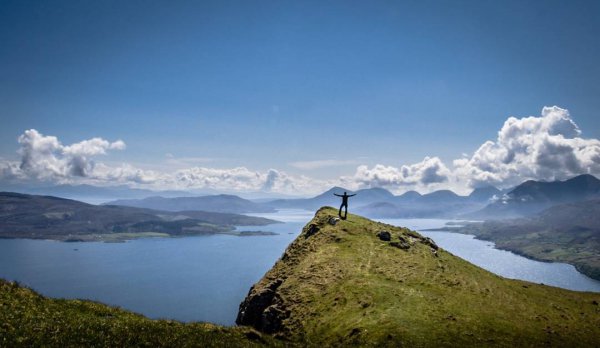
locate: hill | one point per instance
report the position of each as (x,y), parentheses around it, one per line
(214,203)
(30,320)
(532,197)
(47,217)
(566,233)
(346,284)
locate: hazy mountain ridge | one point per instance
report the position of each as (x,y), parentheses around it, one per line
(213,203)
(47,217)
(381,203)
(532,197)
(359,282)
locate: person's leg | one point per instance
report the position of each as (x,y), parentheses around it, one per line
(340,212)
(345,211)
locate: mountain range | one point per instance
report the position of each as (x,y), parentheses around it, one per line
(213,203)
(532,197)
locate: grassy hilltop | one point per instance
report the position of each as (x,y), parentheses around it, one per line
(341,284)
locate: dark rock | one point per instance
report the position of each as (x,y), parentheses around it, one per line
(354,332)
(430,242)
(400,245)
(255,304)
(254,336)
(273,317)
(333,221)
(312,229)
(384,236)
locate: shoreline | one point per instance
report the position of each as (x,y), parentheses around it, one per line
(592,273)
(125,237)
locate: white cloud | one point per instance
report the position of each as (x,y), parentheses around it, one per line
(548,147)
(429,171)
(45,158)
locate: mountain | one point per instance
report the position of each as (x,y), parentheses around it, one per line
(534,196)
(567,233)
(89,193)
(483,194)
(362,283)
(214,203)
(409,196)
(363,197)
(47,217)
(381,203)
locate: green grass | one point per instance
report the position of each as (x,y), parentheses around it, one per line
(30,320)
(343,285)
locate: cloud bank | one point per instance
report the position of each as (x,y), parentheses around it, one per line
(46,159)
(546,147)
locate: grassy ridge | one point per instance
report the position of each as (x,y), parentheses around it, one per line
(343,285)
(30,320)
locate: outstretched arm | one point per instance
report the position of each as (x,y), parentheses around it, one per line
(335,194)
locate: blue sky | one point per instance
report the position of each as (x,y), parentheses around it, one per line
(274,85)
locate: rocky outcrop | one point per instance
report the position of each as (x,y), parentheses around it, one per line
(384,236)
(263,309)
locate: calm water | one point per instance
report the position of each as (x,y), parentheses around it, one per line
(205,278)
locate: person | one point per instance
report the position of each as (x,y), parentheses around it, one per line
(344,204)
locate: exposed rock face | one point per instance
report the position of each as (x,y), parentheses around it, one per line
(430,242)
(384,236)
(400,245)
(263,309)
(312,229)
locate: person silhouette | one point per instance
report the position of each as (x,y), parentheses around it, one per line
(344,204)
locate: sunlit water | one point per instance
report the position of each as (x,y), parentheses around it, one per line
(205,278)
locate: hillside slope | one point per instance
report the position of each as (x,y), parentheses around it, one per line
(342,284)
(30,320)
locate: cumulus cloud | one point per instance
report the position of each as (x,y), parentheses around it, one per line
(44,157)
(429,171)
(548,147)
(545,147)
